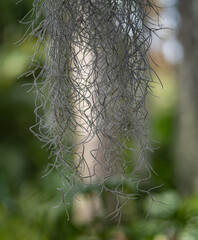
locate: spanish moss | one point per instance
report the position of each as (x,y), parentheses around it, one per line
(92,75)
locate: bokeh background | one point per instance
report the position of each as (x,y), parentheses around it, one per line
(27,201)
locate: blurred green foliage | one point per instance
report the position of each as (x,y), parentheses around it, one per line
(27,199)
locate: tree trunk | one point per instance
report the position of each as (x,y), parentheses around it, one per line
(187,154)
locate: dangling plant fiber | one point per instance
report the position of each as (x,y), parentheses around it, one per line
(91,84)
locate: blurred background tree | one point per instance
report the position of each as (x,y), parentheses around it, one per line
(27,200)
(187,155)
